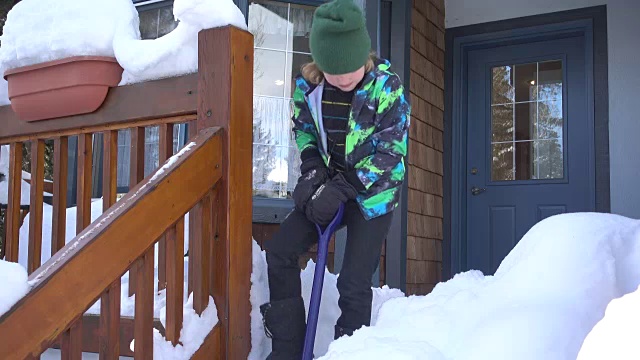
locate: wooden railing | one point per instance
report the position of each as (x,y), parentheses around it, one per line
(212,172)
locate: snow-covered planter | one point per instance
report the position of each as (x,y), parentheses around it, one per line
(65,87)
(57,55)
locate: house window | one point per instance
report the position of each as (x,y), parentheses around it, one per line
(281,42)
(156,20)
(281,46)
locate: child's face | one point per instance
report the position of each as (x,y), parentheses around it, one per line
(345,82)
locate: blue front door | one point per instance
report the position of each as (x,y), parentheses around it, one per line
(529,143)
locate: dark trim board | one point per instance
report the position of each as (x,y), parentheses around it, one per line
(592,22)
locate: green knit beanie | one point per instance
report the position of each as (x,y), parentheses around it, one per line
(339,40)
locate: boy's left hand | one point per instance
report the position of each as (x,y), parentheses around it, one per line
(325,202)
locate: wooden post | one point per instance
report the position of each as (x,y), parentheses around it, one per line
(13,218)
(35,219)
(110,300)
(60,181)
(225,99)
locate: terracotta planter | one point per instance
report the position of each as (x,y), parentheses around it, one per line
(70,86)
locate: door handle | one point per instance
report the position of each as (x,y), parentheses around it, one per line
(476,190)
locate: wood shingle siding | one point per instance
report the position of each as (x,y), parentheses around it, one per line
(426,145)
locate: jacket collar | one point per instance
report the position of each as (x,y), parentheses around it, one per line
(380,67)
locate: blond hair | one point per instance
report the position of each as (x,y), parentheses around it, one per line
(312,73)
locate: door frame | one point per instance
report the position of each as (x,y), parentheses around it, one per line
(592,23)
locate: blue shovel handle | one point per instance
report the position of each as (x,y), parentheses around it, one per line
(318,281)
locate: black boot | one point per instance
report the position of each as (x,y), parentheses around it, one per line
(341,331)
(284,322)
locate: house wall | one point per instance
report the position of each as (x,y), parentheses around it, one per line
(425,170)
(623,28)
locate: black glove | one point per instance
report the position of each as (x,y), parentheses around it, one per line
(327,199)
(314,174)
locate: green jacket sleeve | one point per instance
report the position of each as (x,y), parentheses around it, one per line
(386,165)
(303,126)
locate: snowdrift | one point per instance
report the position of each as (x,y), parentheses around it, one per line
(544,299)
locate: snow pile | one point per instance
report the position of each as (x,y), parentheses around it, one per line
(195,329)
(43,30)
(329,310)
(616,335)
(177,52)
(544,299)
(13,284)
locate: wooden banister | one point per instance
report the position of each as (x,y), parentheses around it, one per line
(210,180)
(225,57)
(167,98)
(108,247)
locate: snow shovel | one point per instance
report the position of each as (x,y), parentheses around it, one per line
(318,281)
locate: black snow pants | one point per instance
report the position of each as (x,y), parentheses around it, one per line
(362,254)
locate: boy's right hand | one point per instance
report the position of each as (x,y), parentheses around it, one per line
(313,175)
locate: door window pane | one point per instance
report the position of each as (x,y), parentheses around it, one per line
(549,162)
(525,83)
(527,122)
(502,123)
(550,119)
(524,160)
(502,85)
(502,162)
(550,80)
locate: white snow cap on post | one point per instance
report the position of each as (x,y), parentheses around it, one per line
(37,31)
(177,52)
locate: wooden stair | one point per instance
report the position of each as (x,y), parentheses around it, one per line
(203,180)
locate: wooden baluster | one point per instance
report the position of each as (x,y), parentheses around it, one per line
(193,214)
(175,280)
(72,338)
(201,259)
(71,344)
(136,174)
(165,151)
(110,300)
(85,159)
(60,168)
(143,322)
(13,217)
(215,235)
(224,55)
(35,207)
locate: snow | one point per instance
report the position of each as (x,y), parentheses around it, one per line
(13,284)
(543,300)
(43,30)
(329,310)
(177,52)
(616,335)
(195,329)
(568,290)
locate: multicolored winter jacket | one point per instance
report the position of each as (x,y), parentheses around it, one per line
(377,135)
